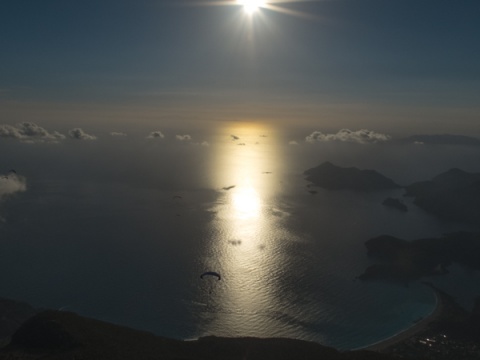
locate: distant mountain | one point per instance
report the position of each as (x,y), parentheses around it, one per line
(334,177)
(453,195)
(444,139)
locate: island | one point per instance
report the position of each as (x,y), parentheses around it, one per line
(332,177)
(395,204)
(453,195)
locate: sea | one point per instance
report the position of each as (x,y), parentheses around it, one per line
(122,232)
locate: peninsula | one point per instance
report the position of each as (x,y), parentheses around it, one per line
(403,261)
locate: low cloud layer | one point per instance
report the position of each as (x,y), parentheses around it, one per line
(79,134)
(362,136)
(30,132)
(156,135)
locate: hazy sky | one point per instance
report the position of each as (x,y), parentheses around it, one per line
(354,63)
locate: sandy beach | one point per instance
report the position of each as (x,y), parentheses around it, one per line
(411,331)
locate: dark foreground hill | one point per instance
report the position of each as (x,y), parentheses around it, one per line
(65,335)
(12,315)
(334,177)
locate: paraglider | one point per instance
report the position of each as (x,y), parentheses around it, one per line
(211,273)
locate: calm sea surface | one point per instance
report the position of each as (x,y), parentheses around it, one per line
(133,254)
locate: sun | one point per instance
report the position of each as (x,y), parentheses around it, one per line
(251,6)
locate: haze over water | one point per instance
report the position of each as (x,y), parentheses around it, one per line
(126,241)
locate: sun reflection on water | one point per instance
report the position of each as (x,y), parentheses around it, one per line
(247,239)
(246,203)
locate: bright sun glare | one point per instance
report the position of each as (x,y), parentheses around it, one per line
(250,6)
(246,203)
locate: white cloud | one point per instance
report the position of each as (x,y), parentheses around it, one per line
(30,132)
(185,137)
(11,183)
(156,135)
(362,136)
(79,134)
(292,142)
(418,143)
(117,134)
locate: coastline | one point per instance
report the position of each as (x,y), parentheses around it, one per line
(413,330)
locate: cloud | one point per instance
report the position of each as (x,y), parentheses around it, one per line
(11,183)
(418,143)
(30,132)
(79,134)
(292,142)
(156,135)
(362,136)
(203,143)
(116,133)
(185,137)
(234,137)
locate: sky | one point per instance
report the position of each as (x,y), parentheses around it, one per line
(377,64)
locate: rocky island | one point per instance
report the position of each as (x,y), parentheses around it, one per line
(332,177)
(453,195)
(395,204)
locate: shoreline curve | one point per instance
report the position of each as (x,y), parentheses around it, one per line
(413,330)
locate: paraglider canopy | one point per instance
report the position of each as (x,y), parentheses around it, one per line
(211,273)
